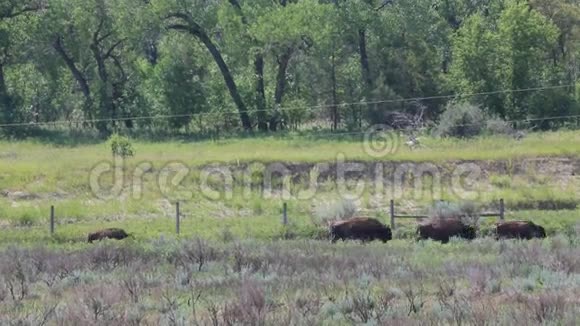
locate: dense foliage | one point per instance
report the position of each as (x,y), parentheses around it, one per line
(204,66)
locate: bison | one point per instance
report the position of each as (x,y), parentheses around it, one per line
(443,229)
(519,230)
(111,233)
(360,228)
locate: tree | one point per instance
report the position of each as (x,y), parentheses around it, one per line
(12,13)
(181,18)
(509,54)
(525,40)
(90,46)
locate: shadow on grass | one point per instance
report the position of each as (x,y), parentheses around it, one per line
(64,137)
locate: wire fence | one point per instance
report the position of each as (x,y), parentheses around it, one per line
(285,219)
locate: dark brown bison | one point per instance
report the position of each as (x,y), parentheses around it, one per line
(443,229)
(111,233)
(360,228)
(518,230)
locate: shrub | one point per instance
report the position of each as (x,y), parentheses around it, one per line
(461,120)
(326,212)
(121,146)
(498,126)
(468,212)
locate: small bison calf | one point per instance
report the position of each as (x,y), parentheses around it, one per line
(111,233)
(443,229)
(519,230)
(360,228)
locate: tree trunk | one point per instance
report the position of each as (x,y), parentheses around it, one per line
(108,105)
(260,93)
(77,74)
(5,100)
(283,61)
(365,71)
(198,32)
(364,59)
(334,95)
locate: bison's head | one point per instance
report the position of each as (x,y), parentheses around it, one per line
(468,232)
(93,237)
(387,235)
(539,232)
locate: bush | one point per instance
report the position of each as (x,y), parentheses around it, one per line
(468,212)
(461,120)
(498,126)
(121,146)
(329,211)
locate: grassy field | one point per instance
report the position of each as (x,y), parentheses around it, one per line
(295,148)
(35,175)
(250,282)
(234,263)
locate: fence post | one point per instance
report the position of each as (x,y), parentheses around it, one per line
(392,210)
(177,218)
(501,209)
(51,219)
(285,214)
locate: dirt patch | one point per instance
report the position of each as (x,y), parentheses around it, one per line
(19,195)
(562,171)
(8,156)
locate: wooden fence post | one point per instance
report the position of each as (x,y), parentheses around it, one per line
(501,210)
(392,210)
(285,214)
(51,219)
(177,218)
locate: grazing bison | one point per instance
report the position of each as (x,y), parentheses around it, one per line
(443,229)
(111,233)
(360,228)
(518,230)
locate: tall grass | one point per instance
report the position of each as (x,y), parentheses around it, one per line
(196,281)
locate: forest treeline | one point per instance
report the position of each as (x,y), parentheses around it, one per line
(262,65)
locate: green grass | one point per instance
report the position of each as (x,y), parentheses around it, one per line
(314,282)
(59,175)
(293,149)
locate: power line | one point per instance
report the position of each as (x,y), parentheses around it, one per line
(308,108)
(371,130)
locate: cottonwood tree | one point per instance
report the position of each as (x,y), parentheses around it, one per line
(198,18)
(90,46)
(13,15)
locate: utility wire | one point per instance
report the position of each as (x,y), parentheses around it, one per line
(308,108)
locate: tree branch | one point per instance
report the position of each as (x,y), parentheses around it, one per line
(117,64)
(108,54)
(96,40)
(179,27)
(104,37)
(77,74)
(180,15)
(10,13)
(385,3)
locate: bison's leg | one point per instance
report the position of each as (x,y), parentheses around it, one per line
(333,238)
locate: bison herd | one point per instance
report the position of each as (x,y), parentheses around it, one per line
(369,229)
